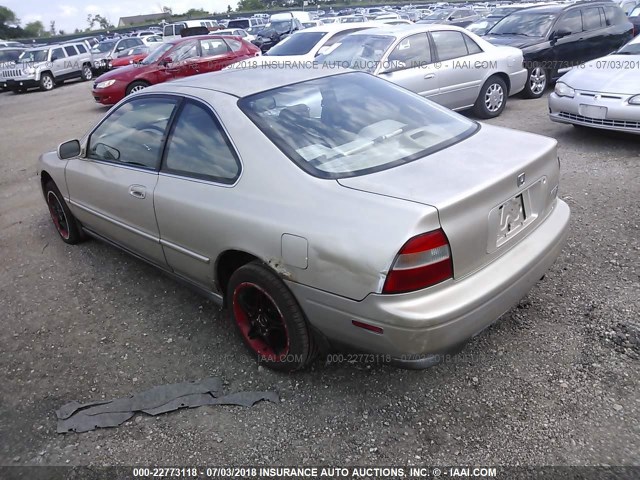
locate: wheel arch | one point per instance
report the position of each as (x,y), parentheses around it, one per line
(227,263)
(504,77)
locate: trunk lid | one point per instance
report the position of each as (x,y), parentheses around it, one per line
(475,188)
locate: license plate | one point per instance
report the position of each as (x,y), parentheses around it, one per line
(593,111)
(512,216)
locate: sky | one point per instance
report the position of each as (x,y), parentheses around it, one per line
(72,14)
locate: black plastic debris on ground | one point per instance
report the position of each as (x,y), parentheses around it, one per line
(83,417)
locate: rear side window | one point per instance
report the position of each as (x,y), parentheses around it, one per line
(70,51)
(212,47)
(234,45)
(472,47)
(198,147)
(449,44)
(168,31)
(81,48)
(570,21)
(614,15)
(591,18)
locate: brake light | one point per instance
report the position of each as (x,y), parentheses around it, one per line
(423,261)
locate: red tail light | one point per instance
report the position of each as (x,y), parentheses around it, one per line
(422,262)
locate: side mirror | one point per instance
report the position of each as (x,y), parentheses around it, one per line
(560,33)
(166,61)
(69,149)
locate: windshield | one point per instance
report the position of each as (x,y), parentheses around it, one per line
(502,12)
(528,24)
(441,15)
(281,26)
(34,56)
(635,12)
(103,47)
(9,55)
(157,54)
(353,124)
(482,25)
(359,52)
(299,43)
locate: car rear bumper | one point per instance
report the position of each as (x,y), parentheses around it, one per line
(620,116)
(518,80)
(433,321)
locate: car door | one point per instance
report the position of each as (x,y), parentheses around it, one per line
(460,75)
(217,53)
(199,167)
(184,60)
(409,64)
(72,67)
(593,34)
(59,66)
(569,49)
(111,187)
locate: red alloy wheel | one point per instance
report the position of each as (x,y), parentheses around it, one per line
(57,215)
(261,322)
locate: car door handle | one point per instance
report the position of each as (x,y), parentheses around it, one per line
(429,76)
(138,191)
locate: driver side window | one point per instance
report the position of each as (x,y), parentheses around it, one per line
(571,22)
(412,52)
(133,134)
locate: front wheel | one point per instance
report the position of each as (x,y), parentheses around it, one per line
(46,82)
(136,87)
(87,73)
(492,99)
(62,218)
(269,319)
(537,82)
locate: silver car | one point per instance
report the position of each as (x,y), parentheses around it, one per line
(107,50)
(320,207)
(446,64)
(603,93)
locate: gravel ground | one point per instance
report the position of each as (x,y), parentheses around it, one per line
(554,382)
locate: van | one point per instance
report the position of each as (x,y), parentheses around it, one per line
(245,23)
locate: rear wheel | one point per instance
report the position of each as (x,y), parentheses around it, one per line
(136,87)
(64,221)
(537,82)
(46,82)
(269,319)
(492,99)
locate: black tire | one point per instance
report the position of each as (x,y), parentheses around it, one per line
(492,98)
(537,82)
(86,74)
(46,82)
(64,221)
(268,318)
(136,86)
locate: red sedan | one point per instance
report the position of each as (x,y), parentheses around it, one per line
(131,56)
(182,57)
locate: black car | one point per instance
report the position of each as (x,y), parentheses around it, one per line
(554,38)
(275,31)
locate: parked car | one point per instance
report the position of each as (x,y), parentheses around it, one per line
(130,57)
(106,51)
(152,41)
(173,31)
(8,57)
(275,31)
(352,19)
(555,38)
(176,59)
(634,18)
(237,32)
(249,234)
(46,67)
(460,17)
(603,94)
(312,23)
(245,23)
(446,64)
(483,25)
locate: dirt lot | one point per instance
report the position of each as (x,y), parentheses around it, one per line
(556,381)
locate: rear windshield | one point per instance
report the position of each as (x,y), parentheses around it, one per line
(299,43)
(353,124)
(238,24)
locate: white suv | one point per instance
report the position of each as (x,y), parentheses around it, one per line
(48,66)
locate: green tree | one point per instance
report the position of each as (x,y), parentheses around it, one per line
(196,12)
(167,10)
(34,29)
(245,5)
(9,24)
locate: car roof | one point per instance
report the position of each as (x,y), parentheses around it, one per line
(243,82)
(397,30)
(339,27)
(560,7)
